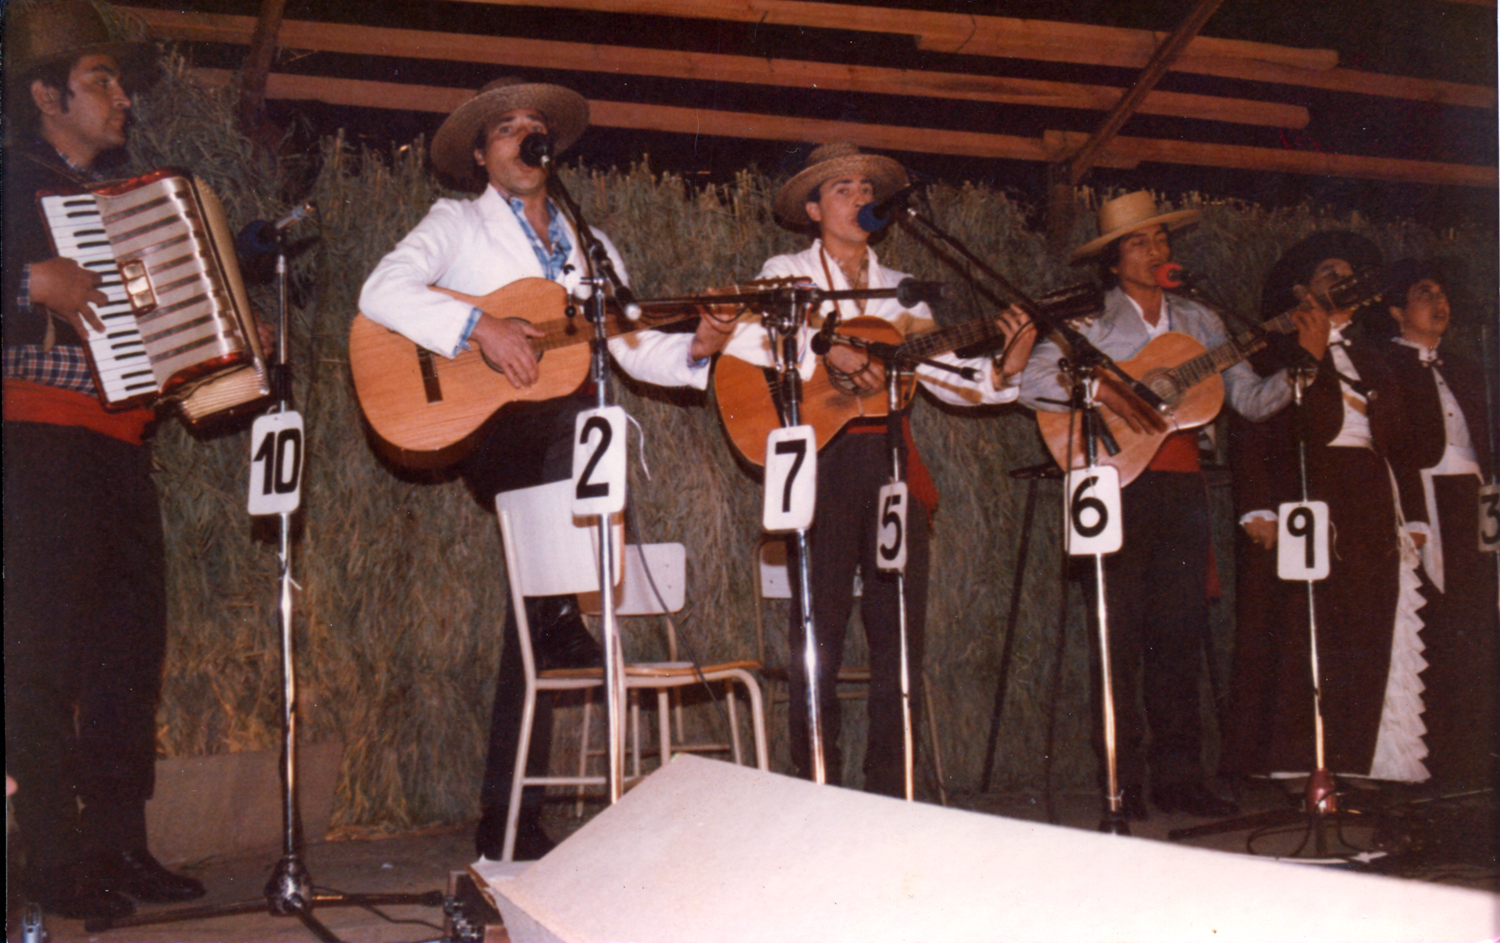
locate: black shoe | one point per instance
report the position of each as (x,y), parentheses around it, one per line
(1194,798)
(63,893)
(559,639)
(531,840)
(138,874)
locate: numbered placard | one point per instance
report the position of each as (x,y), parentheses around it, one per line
(1093,506)
(1302,540)
(276,463)
(599,461)
(890,543)
(1489,519)
(791,478)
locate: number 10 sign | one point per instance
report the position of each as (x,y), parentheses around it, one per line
(276,463)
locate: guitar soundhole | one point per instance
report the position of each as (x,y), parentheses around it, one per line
(1164,386)
(496,367)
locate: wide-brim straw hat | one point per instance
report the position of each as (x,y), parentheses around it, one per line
(1131,213)
(62,31)
(566,111)
(1297,264)
(828,162)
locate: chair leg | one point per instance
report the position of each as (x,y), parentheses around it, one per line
(583,749)
(734,723)
(664,723)
(932,732)
(518,777)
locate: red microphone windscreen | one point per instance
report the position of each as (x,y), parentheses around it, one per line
(1169,275)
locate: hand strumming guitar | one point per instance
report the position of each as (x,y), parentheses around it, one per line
(1112,395)
(849,367)
(505,344)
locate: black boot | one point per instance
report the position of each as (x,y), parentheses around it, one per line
(559,639)
(138,874)
(70,892)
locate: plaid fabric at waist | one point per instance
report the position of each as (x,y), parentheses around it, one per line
(64,367)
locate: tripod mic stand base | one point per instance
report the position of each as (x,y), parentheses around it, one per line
(1115,822)
(288,893)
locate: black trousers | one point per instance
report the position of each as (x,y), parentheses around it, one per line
(1156,591)
(85,636)
(844,536)
(527,444)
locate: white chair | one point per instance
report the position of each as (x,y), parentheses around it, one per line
(559,558)
(773,581)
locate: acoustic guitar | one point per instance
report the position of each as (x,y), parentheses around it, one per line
(421,402)
(1187,377)
(749,396)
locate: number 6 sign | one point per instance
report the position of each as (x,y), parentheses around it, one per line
(1093,505)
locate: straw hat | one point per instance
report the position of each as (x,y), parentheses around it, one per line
(827,162)
(62,31)
(1131,213)
(567,114)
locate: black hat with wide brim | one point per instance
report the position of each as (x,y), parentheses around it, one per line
(1297,264)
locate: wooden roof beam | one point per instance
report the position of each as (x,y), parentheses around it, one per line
(1082,44)
(1121,151)
(542,54)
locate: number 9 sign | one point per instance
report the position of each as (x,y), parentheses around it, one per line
(1302,540)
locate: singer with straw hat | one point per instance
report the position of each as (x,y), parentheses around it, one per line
(1158,585)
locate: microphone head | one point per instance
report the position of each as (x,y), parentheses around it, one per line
(256,240)
(536,149)
(871,219)
(1170,275)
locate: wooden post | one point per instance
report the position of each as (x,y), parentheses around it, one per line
(1080,163)
(252,107)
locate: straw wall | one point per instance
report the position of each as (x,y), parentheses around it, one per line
(402,588)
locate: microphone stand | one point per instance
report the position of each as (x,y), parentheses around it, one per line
(601,273)
(898,370)
(289,891)
(1320,809)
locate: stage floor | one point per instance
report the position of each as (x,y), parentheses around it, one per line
(1452,843)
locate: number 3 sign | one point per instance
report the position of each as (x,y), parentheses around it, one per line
(276,463)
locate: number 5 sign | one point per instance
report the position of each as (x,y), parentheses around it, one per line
(276,463)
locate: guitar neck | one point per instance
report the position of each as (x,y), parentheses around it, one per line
(1229,353)
(950,338)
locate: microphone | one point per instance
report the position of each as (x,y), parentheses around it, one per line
(625,298)
(874,217)
(1173,275)
(260,237)
(536,150)
(911,292)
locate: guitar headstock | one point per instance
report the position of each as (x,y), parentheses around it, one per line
(1360,290)
(1073,301)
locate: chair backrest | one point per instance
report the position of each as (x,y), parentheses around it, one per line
(549,552)
(655,582)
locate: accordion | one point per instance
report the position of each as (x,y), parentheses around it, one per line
(177,327)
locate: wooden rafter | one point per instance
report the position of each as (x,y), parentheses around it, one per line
(1078,43)
(1121,151)
(582,57)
